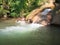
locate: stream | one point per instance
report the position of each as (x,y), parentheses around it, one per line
(28,34)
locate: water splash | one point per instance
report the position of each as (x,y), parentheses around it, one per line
(21,27)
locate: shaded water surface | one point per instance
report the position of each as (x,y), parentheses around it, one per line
(10,34)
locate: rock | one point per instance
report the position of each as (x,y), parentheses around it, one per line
(56,19)
(56,14)
(35,14)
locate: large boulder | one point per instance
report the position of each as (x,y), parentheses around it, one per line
(56,17)
(38,10)
(34,15)
(56,13)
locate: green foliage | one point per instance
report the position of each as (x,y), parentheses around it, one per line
(14,14)
(18,7)
(0,1)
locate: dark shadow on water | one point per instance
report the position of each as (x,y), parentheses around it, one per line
(54,32)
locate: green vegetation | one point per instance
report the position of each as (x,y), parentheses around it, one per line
(16,8)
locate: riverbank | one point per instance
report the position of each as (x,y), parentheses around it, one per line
(12,20)
(8,20)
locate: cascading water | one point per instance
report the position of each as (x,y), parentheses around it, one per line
(21,27)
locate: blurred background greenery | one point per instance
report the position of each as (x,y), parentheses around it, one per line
(16,8)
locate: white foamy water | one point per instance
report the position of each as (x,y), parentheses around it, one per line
(22,27)
(21,22)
